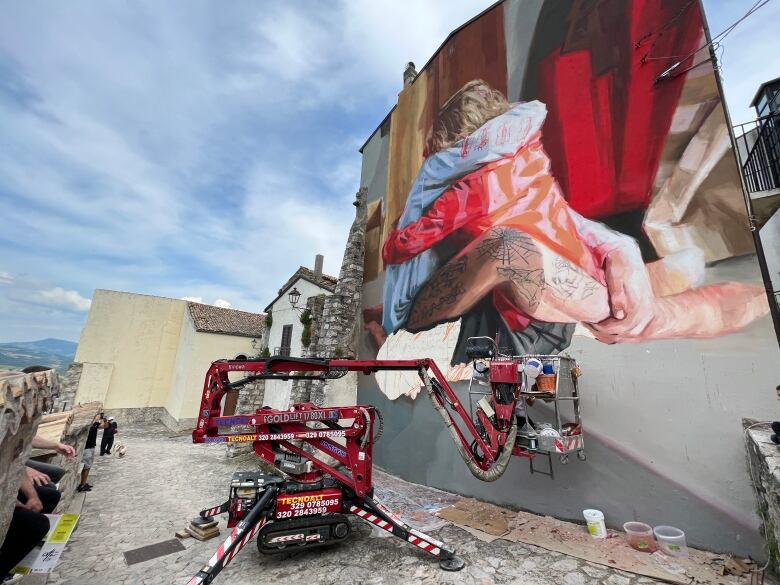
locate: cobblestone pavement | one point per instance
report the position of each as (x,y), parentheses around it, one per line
(163,481)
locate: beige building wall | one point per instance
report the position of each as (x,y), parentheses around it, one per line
(196,352)
(139,335)
(94,383)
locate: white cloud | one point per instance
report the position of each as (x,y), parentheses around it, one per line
(748,57)
(193,299)
(222,303)
(58,297)
(5,278)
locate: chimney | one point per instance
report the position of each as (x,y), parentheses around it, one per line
(318,259)
(409,74)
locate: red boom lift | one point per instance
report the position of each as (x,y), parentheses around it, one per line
(309,505)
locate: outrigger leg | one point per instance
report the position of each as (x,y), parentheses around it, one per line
(242,533)
(209,512)
(372,511)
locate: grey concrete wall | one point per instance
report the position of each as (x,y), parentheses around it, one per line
(373,176)
(663,434)
(770,239)
(622,484)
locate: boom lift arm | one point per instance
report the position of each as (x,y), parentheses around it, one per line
(309,506)
(483,452)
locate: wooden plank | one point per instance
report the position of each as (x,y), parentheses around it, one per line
(199,537)
(480,515)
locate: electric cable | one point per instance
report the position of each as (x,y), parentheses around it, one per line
(660,31)
(381,426)
(718,37)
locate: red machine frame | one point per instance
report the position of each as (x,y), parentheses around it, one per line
(217,385)
(486,451)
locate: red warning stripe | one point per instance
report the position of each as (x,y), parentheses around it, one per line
(426,546)
(371,518)
(247,537)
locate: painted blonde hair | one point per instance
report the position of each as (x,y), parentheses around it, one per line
(467,109)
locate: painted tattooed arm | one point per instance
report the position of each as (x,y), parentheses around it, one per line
(628,281)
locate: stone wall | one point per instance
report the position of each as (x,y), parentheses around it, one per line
(337,330)
(301,389)
(249,399)
(69,384)
(763,458)
(150,414)
(23,398)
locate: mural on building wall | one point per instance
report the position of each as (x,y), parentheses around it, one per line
(545,176)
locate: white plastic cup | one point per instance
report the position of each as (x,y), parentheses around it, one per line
(595,522)
(671,541)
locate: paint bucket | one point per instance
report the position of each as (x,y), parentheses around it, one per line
(595,522)
(546,382)
(640,536)
(671,541)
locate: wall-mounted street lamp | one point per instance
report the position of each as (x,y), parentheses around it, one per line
(294,296)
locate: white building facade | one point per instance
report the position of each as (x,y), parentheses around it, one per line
(286,330)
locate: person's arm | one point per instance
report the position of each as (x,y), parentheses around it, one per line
(33,502)
(43,443)
(452,210)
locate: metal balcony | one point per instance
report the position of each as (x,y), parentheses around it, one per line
(758,147)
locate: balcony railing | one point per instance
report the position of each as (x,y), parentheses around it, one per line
(282,351)
(758,146)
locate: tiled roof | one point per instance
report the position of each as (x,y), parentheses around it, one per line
(325,281)
(211,319)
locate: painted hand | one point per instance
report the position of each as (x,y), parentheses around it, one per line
(37,477)
(631,298)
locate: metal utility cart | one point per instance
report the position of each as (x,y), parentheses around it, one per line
(564,435)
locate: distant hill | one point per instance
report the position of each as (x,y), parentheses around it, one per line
(57,353)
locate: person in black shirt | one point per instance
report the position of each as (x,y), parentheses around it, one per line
(89,451)
(107,441)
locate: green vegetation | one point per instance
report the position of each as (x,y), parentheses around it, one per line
(306,320)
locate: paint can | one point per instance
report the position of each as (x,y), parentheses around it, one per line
(595,522)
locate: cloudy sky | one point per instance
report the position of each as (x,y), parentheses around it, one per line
(188,149)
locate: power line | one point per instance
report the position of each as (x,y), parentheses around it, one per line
(661,30)
(714,42)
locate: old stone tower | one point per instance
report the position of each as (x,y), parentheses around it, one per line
(337,318)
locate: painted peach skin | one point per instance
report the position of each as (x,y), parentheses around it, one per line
(541,261)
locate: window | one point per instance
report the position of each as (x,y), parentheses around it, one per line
(761,108)
(286,339)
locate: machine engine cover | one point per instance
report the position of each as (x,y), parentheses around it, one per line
(310,503)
